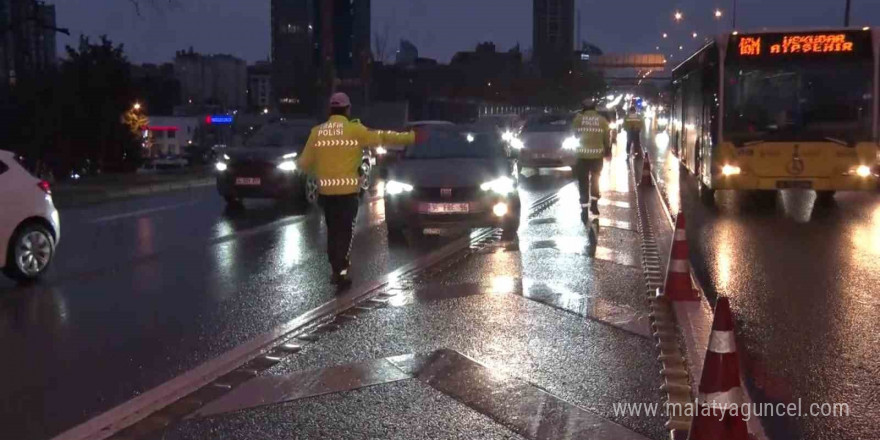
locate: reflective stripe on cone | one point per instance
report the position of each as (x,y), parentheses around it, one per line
(720,387)
(677,285)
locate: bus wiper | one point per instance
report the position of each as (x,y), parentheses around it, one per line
(837,141)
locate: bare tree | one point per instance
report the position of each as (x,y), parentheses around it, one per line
(380,43)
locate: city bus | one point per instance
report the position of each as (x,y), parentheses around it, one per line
(777,110)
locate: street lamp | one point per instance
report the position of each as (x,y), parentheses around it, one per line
(665,35)
(265,111)
(136,106)
(678,16)
(695,35)
(718,14)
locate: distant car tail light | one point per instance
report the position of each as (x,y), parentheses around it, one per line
(44,185)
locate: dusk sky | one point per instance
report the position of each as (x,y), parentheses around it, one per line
(438,28)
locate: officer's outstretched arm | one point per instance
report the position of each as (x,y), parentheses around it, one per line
(307,160)
(371,138)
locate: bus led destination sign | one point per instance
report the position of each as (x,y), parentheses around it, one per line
(796,44)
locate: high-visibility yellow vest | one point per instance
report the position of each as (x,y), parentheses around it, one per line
(592,129)
(633,122)
(335,149)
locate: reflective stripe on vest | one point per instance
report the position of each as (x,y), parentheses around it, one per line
(590,151)
(337,143)
(338,182)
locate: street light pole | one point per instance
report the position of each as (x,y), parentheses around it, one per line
(734,14)
(846,14)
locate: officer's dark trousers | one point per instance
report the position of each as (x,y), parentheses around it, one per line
(587,172)
(340,213)
(633,138)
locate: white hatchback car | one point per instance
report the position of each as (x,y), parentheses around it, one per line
(29,224)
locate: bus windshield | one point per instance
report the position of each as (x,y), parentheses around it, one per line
(799,101)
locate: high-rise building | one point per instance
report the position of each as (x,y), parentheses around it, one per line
(300,48)
(211,80)
(553,34)
(259,85)
(27,40)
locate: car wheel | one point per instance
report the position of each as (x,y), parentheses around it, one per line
(232,201)
(510,230)
(707,195)
(825,198)
(312,190)
(30,252)
(396,233)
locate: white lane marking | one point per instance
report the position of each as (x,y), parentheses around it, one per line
(140,212)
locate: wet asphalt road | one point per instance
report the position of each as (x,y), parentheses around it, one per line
(553,313)
(145,289)
(803,281)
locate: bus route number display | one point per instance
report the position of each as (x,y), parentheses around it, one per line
(770,45)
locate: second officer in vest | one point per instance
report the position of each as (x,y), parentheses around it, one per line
(333,156)
(592,130)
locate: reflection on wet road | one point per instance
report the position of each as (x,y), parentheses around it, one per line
(802,278)
(145,289)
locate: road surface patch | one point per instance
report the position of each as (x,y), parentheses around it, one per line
(514,403)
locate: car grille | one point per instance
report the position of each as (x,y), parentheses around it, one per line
(254,168)
(452,195)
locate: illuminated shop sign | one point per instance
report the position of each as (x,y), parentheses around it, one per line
(218,120)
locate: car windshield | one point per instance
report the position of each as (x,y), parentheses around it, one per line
(455,144)
(549,123)
(280,135)
(799,102)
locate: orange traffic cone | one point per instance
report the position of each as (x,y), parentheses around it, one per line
(678,273)
(646,171)
(718,415)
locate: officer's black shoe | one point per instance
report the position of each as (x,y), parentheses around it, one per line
(585,216)
(341,279)
(594,207)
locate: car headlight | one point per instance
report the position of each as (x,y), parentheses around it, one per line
(287,166)
(613,125)
(221,166)
(730,170)
(290,155)
(502,185)
(516,144)
(507,136)
(393,187)
(381,151)
(571,143)
(861,171)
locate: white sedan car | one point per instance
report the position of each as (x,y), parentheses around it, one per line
(29,225)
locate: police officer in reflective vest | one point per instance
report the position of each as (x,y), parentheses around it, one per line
(633,125)
(595,144)
(333,156)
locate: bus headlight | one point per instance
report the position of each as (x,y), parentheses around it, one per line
(730,170)
(394,188)
(571,143)
(221,166)
(287,166)
(502,185)
(863,171)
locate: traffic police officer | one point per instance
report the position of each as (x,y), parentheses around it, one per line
(333,156)
(595,144)
(633,125)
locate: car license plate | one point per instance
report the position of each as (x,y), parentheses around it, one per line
(247,181)
(445,208)
(794,184)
